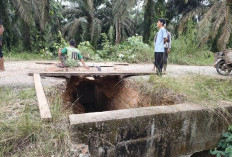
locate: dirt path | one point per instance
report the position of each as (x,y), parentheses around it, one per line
(16,74)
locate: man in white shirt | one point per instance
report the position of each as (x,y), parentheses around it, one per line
(159,41)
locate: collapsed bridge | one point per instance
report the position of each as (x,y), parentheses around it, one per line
(110,116)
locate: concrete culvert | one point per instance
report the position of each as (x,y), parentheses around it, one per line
(87,95)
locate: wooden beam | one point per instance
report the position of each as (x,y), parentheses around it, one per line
(92,74)
(46,63)
(88,64)
(101,65)
(125,64)
(45,113)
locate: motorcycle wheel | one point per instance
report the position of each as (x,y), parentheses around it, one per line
(222,68)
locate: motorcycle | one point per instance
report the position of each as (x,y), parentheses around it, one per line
(223,62)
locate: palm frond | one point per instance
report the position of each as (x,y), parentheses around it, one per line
(129,26)
(36,11)
(205,25)
(72,11)
(226,32)
(23,8)
(220,18)
(184,20)
(71,28)
(44,13)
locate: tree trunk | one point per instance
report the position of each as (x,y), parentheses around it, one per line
(118,33)
(26,36)
(5,17)
(148,20)
(87,35)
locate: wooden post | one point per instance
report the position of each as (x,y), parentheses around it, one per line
(45,113)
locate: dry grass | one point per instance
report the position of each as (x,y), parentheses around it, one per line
(191,88)
(22,133)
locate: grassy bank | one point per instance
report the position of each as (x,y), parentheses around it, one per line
(14,56)
(192,88)
(22,133)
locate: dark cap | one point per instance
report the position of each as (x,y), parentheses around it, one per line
(1,22)
(72,42)
(162,21)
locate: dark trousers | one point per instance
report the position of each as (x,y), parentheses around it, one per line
(159,61)
(1,54)
(165,59)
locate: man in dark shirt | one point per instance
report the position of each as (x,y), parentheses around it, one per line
(1,55)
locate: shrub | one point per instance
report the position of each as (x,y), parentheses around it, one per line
(225,145)
(133,50)
(87,51)
(186,50)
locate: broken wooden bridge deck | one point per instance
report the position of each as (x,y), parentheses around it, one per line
(92,74)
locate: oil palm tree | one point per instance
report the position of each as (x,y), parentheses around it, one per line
(83,15)
(149,13)
(117,20)
(5,16)
(33,11)
(122,20)
(215,23)
(175,8)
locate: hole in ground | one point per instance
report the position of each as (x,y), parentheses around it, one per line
(205,153)
(86,95)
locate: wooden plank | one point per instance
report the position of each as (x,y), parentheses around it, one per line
(45,113)
(99,64)
(87,64)
(123,64)
(92,74)
(46,63)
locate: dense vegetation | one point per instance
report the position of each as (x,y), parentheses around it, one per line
(109,28)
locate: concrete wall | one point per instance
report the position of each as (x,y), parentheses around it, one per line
(161,131)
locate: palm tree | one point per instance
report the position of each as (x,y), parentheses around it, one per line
(33,10)
(83,15)
(148,19)
(215,25)
(92,17)
(175,8)
(5,16)
(116,19)
(122,19)
(34,13)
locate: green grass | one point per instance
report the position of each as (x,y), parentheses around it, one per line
(26,56)
(198,89)
(186,51)
(202,58)
(22,133)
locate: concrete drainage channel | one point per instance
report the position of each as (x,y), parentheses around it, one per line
(114,120)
